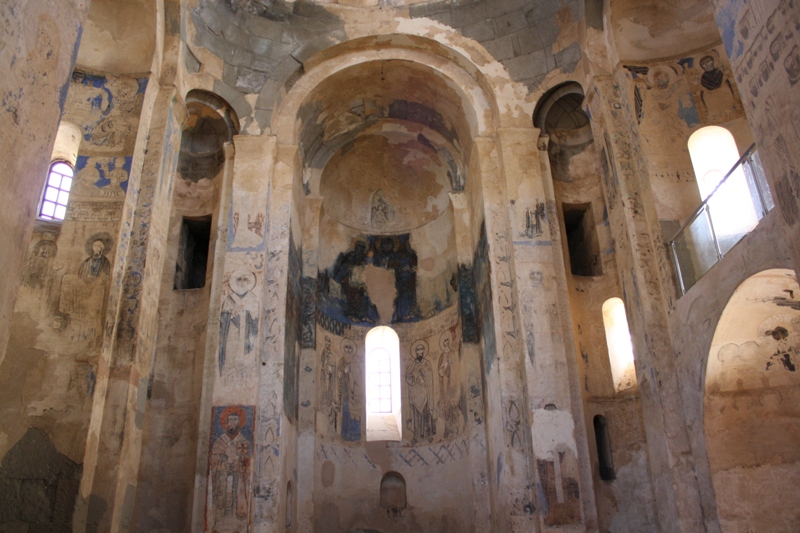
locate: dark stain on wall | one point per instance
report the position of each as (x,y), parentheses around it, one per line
(308,321)
(483,292)
(466,298)
(38,486)
(291,368)
(353,306)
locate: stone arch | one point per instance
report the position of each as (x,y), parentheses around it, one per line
(752,388)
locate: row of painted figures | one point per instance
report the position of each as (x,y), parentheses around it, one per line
(340,394)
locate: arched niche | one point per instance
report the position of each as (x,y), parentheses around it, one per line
(752,405)
(393,492)
(570,149)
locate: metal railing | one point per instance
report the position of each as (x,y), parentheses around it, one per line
(732,210)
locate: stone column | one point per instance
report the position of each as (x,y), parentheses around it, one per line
(761,39)
(645,279)
(557,430)
(507,422)
(38,47)
(473,368)
(113,445)
(242,436)
(304,488)
(211,363)
(275,426)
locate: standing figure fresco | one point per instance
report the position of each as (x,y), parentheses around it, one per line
(449,388)
(97,264)
(240,310)
(229,468)
(328,378)
(82,300)
(348,393)
(419,377)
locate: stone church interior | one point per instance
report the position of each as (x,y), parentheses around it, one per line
(395,266)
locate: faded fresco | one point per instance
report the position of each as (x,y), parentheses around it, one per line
(238,321)
(432,381)
(229,468)
(344,288)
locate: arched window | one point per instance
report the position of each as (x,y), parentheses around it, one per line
(59,178)
(56,191)
(383,384)
(713,151)
(620,348)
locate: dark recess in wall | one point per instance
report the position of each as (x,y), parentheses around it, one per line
(584,248)
(604,458)
(190,269)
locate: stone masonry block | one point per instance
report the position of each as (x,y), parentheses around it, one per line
(259,45)
(268,29)
(502,48)
(480,31)
(527,66)
(529,41)
(510,23)
(250,81)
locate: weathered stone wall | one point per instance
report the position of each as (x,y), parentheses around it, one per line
(38,48)
(59,316)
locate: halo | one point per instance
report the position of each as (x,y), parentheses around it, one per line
(103,237)
(446,335)
(414,345)
(651,75)
(241,288)
(349,342)
(232,410)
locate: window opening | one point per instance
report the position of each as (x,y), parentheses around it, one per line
(56,191)
(584,248)
(190,268)
(383,384)
(620,347)
(714,152)
(604,457)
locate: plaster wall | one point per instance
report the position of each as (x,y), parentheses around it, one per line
(38,55)
(59,318)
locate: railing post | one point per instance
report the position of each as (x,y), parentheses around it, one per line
(713,233)
(677,263)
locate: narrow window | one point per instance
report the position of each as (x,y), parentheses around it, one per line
(604,457)
(56,191)
(620,348)
(713,152)
(584,248)
(190,268)
(383,384)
